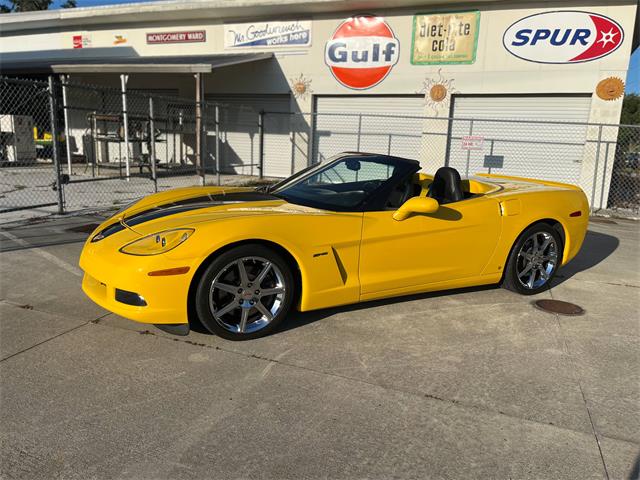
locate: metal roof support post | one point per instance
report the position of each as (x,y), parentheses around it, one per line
(125,117)
(63,80)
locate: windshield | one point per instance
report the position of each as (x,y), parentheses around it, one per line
(346,182)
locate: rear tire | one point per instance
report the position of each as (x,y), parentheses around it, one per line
(534,260)
(245,293)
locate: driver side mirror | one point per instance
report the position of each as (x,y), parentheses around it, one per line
(416,205)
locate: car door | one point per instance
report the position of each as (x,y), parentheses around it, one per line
(454,243)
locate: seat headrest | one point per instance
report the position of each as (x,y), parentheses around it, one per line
(446,186)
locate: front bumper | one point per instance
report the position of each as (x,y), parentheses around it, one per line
(165,296)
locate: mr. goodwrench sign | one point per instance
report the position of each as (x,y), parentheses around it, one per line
(295,33)
(563,37)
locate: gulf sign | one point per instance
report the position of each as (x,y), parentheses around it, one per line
(563,37)
(362,52)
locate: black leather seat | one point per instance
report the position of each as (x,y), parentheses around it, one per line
(400,194)
(446,186)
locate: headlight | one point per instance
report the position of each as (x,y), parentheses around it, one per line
(157,243)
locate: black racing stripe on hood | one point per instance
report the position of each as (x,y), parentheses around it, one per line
(180,206)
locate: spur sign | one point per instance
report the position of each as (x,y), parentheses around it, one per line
(563,37)
(362,52)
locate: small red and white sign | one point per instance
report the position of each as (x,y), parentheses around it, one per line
(472,142)
(563,37)
(81,41)
(362,52)
(193,36)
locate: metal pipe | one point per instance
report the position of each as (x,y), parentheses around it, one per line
(261,144)
(311,147)
(125,116)
(491,154)
(63,79)
(595,170)
(469,151)
(217,145)
(94,143)
(199,149)
(604,173)
(152,146)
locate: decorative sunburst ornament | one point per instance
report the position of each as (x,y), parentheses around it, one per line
(611,88)
(301,87)
(437,92)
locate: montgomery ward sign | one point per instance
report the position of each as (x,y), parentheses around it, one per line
(443,38)
(295,33)
(193,36)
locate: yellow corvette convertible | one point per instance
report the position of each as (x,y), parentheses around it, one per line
(357,227)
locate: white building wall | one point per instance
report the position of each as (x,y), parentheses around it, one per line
(495,70)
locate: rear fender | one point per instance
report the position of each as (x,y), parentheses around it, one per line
(554,208)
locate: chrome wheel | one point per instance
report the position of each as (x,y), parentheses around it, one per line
(247,294)
(537,260)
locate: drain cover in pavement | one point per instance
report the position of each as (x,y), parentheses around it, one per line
(559,307)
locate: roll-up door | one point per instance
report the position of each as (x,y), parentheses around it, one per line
(551,149)
(366,123)
(239,134)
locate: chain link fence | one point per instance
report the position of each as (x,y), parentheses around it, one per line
(27,178)
(602,159)
(71,147)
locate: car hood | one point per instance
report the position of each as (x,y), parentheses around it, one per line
(184,207)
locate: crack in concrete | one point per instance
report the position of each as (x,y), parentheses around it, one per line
(584,398)
(44,341)
(449,401)
(50,338)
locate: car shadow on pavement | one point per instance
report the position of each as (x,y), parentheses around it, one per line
(596,248)
(301,319)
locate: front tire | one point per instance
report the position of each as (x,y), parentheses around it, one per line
(534,260)
(245,293)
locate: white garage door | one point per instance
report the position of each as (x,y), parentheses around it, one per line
(361,123)
(551,151)
(239,138)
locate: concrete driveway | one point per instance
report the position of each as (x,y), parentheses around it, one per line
(465,384)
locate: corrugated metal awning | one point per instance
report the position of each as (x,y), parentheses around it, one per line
(118,60)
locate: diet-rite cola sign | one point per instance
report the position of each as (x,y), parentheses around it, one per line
(362,52)
(563,37)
